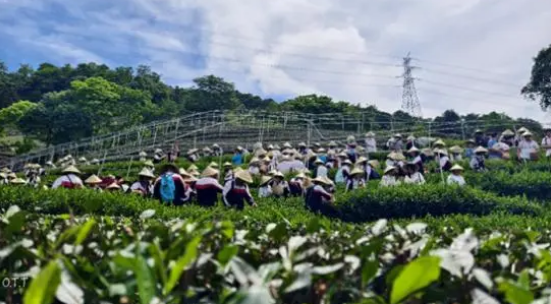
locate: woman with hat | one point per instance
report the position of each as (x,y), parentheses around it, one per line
(456,152)
(158,156)
(191,191)
(455,178)
(237,192)
(228,171)
(143,185)
(94,182)
(318,199)
(546,141)
(33,178)
(479,139)
(18,181)
(191,155)
(343,172)
(478,161)
(469,148)
(410,142)
(238,158)
(413,176)
(363,164)
(508,137)
(69,180)
(321,169)
(280,188)
(356,180)
(389,178)
(114,187)
(149,165)
(254,166)
(265,165)
(169,188)
(528,148)
(217,150)
(296,185)
(207,188)
(370,143)
(264,189)
(351,152)
(444,163)
(416,158)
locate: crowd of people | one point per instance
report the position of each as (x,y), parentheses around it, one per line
(308,166)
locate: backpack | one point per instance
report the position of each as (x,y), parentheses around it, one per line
(167,189)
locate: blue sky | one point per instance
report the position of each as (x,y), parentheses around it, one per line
(473,55)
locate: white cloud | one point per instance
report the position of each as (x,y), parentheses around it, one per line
(255,44)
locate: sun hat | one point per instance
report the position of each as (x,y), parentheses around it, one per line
(93,179)
(149,164)
(228,164)
(244,176)
(301,175)
(347,162)
(213,165)
(146,173)
(321,180)
(318,161)
(71,169)
(413,150)
(18,181)
(439,143)
(456,149)
(508,133)
(370,134)
(480,150)
(357,171)
(361,160)
(192,167)
(209,172)
(279,174)
(113,186)
(456,168)
(264,180)
(389,168)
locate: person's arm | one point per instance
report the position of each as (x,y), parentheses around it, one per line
(225,191)
(249,197)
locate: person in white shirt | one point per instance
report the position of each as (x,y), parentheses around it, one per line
(254,166)
(356,179)
(70,179)
(528,148)
(455,178)
(477,163)
(443,159)
(264,189)
(321,169)
(389,178)
(546,142)
(413,175)
(503,149)
(370,143)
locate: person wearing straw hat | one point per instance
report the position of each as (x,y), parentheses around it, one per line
(254,166)
(93,182)
(389,177)
(391,159)
(158,156)
(238,158)
(192,155)
(528,148)
(478,161)
(228,171)
(206,152)
(355,180)
(332,154)
(217,150)
(363,164)
(343,172)
(370,143)
(508,137)
(469,148)
(413,176)
(265,165)
(149,165)
(207,188)
(546,141)
(318,199)
(351,152)
(169,188)
(321,169)
(456,152)
(33,178)
(143,185)
(11,176)
(296,185)
(415,156)
(236,192)
(397,144)
(265,189)
(280,188)
(444,163)
(113,187)
(456,178)
(410,142)
(69,180)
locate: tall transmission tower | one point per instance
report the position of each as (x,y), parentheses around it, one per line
(410,100)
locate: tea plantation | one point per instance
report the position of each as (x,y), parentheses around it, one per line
(485,243)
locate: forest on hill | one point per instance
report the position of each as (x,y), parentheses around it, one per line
(57,104)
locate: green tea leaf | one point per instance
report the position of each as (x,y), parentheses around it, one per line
(415,276)
(146,281)
(369,270)
(515,294)
(84,231)
(226,254)
(43,287)
(182,263)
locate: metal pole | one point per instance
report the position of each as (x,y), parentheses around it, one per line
(129,166)
(102,162)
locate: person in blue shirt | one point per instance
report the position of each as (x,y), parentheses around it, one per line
(469,149)
(492,141)
(237,158)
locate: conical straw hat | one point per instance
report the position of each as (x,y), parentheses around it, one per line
(357,171)
(71,169)
(209,172)
(244,176)
(192,168)
(213,165)
(113,186)
(456,168)
(18,181)
(146,173)
(390,168)
(93,179)
(264,180)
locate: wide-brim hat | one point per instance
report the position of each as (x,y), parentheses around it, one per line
(207,149)
(470,141)
(478,131)
(158,151)
(361,160)
(397,135)
(213,165)
(413,150)
(302,144)
(391,155)
(287,145)
(244,176)
(318,161)
(321,180)
(190,179)
(321,150)
(227,165)
(399,157)
(71,169)
(389,169)
(93,179)
(192,167)
(279,174)
(301,175)
(411,137)
(94,161)
(215,145)
(343,155)
(6,170)
(149,164)
(194,173)
(347,162)
(276,147)
(238,169)
(113,186)
(254,160)
(264,180)
(522,129)
(369,134)
(239,148)
(457,168)
(373,163)
(18,181)
(456,149)
(332,144)
(82,159)
(440,151)
(357,171)
(439,143)
(527,133)
(3,175)
(146,173)
(480,150)
(427,152)
(11,175)
(266,159)
(508,133)
(192,151)
(143,154)
(209,172)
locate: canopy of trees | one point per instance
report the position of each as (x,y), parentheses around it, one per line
(539,87)
(60,104)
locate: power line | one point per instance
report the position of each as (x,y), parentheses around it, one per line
(457,66)
(429,91)
(468,77)
(465,88)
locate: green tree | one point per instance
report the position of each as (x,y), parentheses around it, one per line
(539,87)
(212,93)
(11,115)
